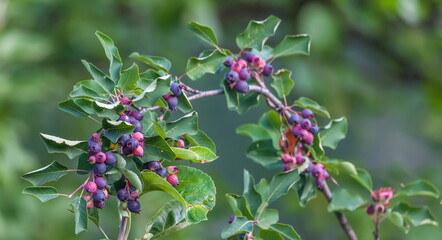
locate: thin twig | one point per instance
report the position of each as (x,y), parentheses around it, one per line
(122,229)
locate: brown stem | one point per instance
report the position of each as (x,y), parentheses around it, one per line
(376,229)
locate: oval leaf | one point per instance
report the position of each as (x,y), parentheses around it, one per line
(282,82)
(420,188)
(59,145)
(52,172)
(257,33)
(44,193)
(304,102)
(198,66)
(293,45)
(203,32)
(334,132)
(153,61)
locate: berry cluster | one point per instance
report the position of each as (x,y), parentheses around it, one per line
(100,161)
(381,201)
(169,173)
(132,143)
(172,99)
(304,129)
(245,68)
(129,196)
(320,173)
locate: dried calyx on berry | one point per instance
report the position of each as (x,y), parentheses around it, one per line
(381,201)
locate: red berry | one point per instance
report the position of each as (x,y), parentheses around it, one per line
(180,143)
(236,66)
(100,157)
(91,159)
(139,136)
(90,187)
(138,152)
(89,204)
(126,101)
(173,180)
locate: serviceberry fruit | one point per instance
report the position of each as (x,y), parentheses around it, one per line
(294,119)
(100,157)
(134,206)
(90,187)
(180,143)
(229,61)
(314,129)
(244,74)
(287,158)
(242,86)
(138,152)
(236,66)
(307,113)
(132,143)
(123,195)
(138,125)
(127,151)
(370,209)
(172,170)
(305,123)
(297,131)
(123,139)
(99,204)
(173,180)
(89,204)
(139,136)
(98,195)
(123,117)
(111,159)
(152,165)
(308,138)
(91,159)
(94,147)
(137,115)
(231,219)
(126,101)
(172,101)
(100,182)
(299,159)
(95,136)
(232,77)
(175,88)
(99,168)
(249,57)
(162,172)
(134,195)
(268,70)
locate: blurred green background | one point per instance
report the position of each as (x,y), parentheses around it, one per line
(377,62)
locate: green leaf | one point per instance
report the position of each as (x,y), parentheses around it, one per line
(247,101)
(114,129)
(271,121)
(306,189)
(153,61)
(262,188)
(44,193)
(337,167)
(188,124)
(280,185)
(158,146)
(96,87)
(81,91)
(257,32)
(415,215)
(231,95)
(168,219)
(201,139)
(203,32)
(304,102)
(251,195)
(286,231)
(265,154)
(421,188)
(334,132)
(196,214)
(158,129)
(153,182)
(99,77)
(71,107)
(184,104)
(80,212)
(129,79)
(268,217)
(239,225)
(282,82)
(59,145)
(152,93)
(198,66)
(269,235)
(111,54)
(132,177)
(52,172)
(343,200)
(195,154)
(239,205)
(293,45)
(397,219)
(254,131)
(363,178)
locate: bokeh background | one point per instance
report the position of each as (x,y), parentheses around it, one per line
(377,62)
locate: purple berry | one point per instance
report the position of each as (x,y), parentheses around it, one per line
(134,195)
(242,86)
(229,61)
(127,151)
(232,77)
(99,168)
(162,172)
(100,157)
(314,129)
(172,101)
(123,117)
(152,165)
(90,187)
(175,88)
(299,159)
(370,209)
(138,125)
(126,101)
(231,219)
(132,144)
(94,147)
(95,136)
(296,131)
(173,180)
(100,182)
(137,115)
(123,195)
(111,159)
(307,113)
(244,74)
(294,119)
(287,158)
(134,206)
(98,195)
(305,124)
(249,57)
(99,204)
(268,70)
(123,139)
(308,138)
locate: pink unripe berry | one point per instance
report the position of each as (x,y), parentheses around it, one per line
(380,208)
(138,152)
(172,170)
(299,159)
(106,193)
(308,138)
(139,136)
(100,157)
(173,180)
(287,158)
(180,143)
(87,197)
(90,187)
(242,63)
(89,204)
(236,66)
(95,136)
(126,101)
(91,159)
(134,195)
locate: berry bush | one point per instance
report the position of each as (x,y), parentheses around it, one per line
(137,148)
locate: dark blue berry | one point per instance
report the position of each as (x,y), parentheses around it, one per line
(175,88)
(123,117)
(249,57)
(307,113)
(232,76)
(296,131)
(229,61)
(137,124)
(132,144)
(314,129)
(101,182)
(99,204)
(94,147)
(152,165)
(137,115)
(123,139)
(98,195)
(231,219)
(305,124)
(127,151)
(172,101)
(162,172)
(268,70)
(294,119)
(111,159)
(244,74)
(99,168)
(123,195)
(134,206)
(242,86)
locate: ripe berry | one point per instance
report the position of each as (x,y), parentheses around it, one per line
(138,152)
(132,143)
(231,219)
(99,204)
(243,63)
(175,88)
(242,86)
(162,172)
(137,115)
(126,101)
(173,180)
(299,159)
(111,159)
(232,77)
(249,57)
(127,151)
(370,210)
(91,159)
(99,168)
(100,182)
(94,147)
(152,165)
(123,195)
(287,158)
(236,66)
(294,119)
(307,113)
(134,206)
(100,157)
(244,74)
(123,139)
(123,117)
(297,131)
(314,129)
(305,123)
(98,195)
(229,61)
(139,136)
(172,101)
(308,138)
(268,70)
(138,125)
(288,167)
(90,187)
